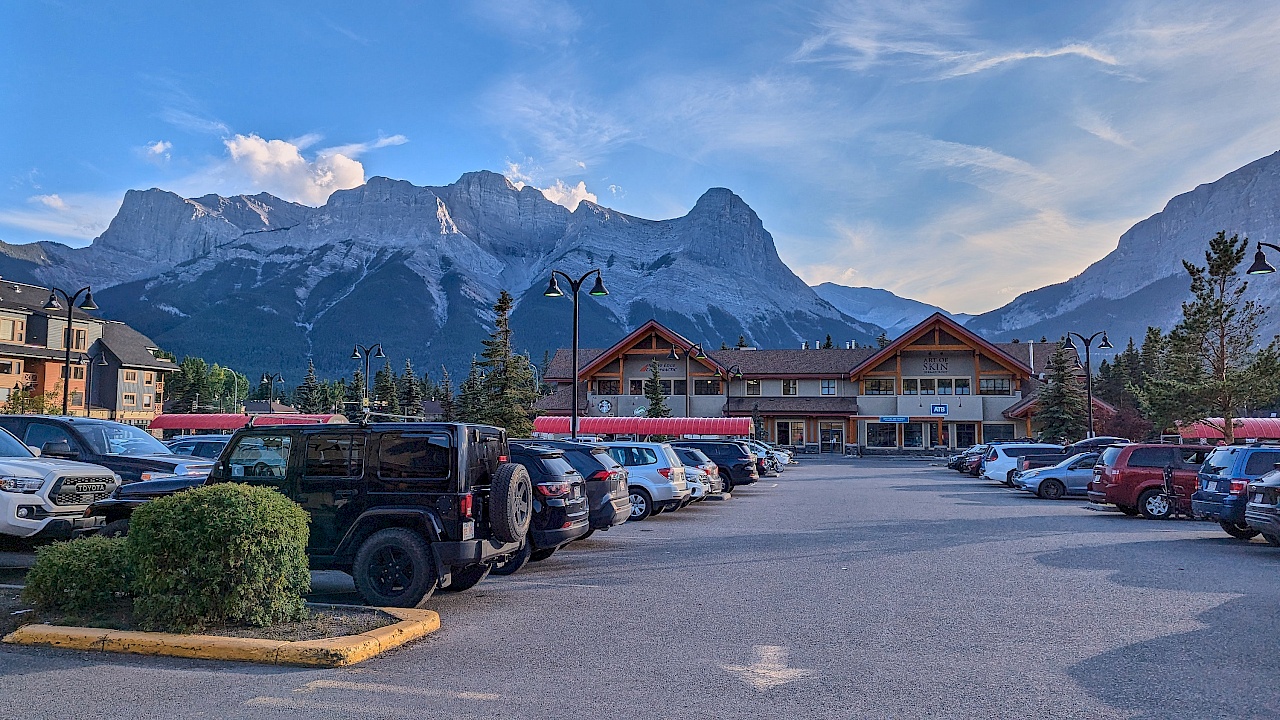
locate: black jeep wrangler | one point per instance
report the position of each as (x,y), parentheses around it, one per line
(405,508)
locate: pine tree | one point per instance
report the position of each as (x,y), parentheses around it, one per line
(444,395)
(308,397)
(882,340)
(471,400)
(509,388)
(742,341)
(827,345)
(653,393)
(385,391)
(355,389)
(1062,408)
(410,391)
(189,389)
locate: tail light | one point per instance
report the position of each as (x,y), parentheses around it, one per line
(600,475)
(991,456)
(465,504)
(554,489)
(665,472)
(1239,486)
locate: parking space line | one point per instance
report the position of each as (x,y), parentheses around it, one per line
(552,584)
(394,689)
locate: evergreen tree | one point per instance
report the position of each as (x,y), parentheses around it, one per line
(471,400)
(189,389)
(355,389)
(827,345)
(653,393)
(410,391)
(742,341)
(444,396)
(309,397)
(509,389)
(882,340)
(1062,407)
(385,391)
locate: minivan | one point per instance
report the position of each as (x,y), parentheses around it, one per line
(1131,477)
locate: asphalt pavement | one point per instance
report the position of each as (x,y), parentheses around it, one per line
(847,589)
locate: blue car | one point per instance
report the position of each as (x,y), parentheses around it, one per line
(1224,482)
(1069,477)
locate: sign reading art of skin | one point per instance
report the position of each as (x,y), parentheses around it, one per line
(935,365)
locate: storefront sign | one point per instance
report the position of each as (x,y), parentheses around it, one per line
(937,409)
(935,365)
(901,420)
(667,368)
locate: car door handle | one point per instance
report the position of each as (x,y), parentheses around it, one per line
(344,493)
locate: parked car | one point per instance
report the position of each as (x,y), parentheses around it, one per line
(202,446)
(655,476)
(1224,481)
(560,511)
(954,461)
(776,459)
(702,467)
(973,464)
(405,508)
(1001,460)
(734,460)
(1131,477)
(126,450)
(1070,476)
(47,497)
(1262,513)
(1093,444)
(606,481)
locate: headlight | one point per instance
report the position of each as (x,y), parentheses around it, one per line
(21,485)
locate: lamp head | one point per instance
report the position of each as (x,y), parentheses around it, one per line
(702,355)
(379,353)
(88,303)
(672,354)
(53,304)
(355,353)
(1068,345)
(598,289)
(553,288)
(1260,265)
(1106,344)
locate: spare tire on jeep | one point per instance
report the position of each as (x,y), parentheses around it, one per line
(510,502)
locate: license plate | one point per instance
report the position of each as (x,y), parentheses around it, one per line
(88,488)
(1257,497)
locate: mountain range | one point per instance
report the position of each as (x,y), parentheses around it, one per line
(893,313)
(261,284)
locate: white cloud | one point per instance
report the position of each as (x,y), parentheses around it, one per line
(569,195)
(532,22)
(159,148)
(1100,127)
(563,131)
(278,167)
(75,216)
(53,201)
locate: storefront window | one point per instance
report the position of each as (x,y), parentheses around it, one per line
(791,432)
(910,386)
(828,387)
(636,387)
(966,434)
(880,386)
(944,386)
(753,387)
(997,431)
(607,387)
(706,387)
(913,435)
(882,435)
(962,386)
(927,386)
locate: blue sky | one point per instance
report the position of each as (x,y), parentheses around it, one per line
(955,152)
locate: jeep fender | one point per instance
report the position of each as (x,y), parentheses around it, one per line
(413,518)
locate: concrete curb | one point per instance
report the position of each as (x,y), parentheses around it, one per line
(329,652)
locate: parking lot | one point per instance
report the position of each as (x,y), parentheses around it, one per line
(892,588)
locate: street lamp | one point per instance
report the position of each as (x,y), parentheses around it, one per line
(688,382)
(597,290)
(52,306)
(92,361)
(374,350)
(273,379)
(1260,265)
(1088,366)
(733,372)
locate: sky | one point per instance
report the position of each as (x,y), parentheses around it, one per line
(958,153)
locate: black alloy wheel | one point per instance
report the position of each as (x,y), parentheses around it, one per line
(1051,489)
(394,568)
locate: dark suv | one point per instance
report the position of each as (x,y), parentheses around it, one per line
(607,495)
(1224,481)
(560,513)
(405,508)
(736,462)
(127,450)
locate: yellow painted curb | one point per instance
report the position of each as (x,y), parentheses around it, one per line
(330,652)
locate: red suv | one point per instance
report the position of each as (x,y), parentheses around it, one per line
(1131,477)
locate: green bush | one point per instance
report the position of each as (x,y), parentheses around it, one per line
(219,555)
(81,578)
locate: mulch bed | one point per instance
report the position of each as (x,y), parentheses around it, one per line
(325,621)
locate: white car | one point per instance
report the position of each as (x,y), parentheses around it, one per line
(655,477)
(781,458)
(47,497)
(1002,459)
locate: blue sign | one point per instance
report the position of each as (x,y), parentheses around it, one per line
(894,419)
(937,409)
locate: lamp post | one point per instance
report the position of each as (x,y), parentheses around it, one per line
(98,360)
(733,372)
(273,379)
(374,350)
(1260,265)
(688,382)
(597,290)
(1088,366)
(52,306)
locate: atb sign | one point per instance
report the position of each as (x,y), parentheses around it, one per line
(938,410)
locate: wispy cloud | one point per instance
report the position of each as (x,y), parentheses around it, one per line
(563,131)
(532,22)
(558,192)
(74,216)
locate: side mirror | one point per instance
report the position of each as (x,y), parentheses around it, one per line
(59,449)
(36,451)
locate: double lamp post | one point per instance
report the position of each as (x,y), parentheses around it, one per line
(553,290)
(69,338)
(1088,366)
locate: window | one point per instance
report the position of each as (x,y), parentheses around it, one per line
(77,372)
(828,387)
(78,338)
(1153,458)
(882,435)
(910,386)
(791,432)
(38,434)
(6,367)
(669,387)
(130,399)
(962,386)
(944,386)
(790,387)
(607,387)
(260,456)
(633,456)
(966,434)
(706,387)
(11,330)
(994,386)
(418,457)
(753,387)
(913,435)
(131,376)
(1261,463)
(77,398)
(149,378)
(335,456)
(927,386)
(636,387)
(997,431)
(882,386)
(146,401)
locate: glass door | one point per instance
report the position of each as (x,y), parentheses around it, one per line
(831,437)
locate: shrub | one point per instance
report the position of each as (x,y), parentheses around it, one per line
(80,578)
(219,555)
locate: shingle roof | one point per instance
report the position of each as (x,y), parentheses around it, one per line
(31,351)
(561,365)
(1022,352)
(132,348)
(561,401)
(268,406)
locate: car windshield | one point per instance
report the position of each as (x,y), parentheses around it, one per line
(12,447)
(1217,462)
(121,439)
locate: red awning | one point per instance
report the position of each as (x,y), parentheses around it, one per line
(1260,428)
(234,421)
(559,425)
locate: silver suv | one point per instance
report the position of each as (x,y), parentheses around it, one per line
(46,497)
(656,477)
